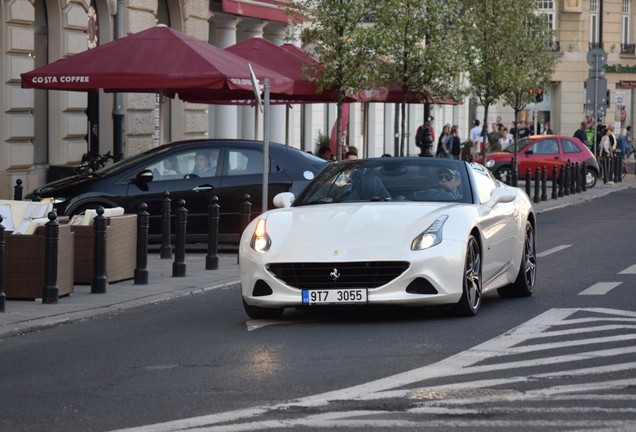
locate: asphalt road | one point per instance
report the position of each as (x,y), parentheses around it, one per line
(563,359)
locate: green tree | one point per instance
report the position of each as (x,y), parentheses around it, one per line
(421,45)
(535,66)
(498,29)
(339,34)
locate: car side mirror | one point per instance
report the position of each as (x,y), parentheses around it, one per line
(529,152)
(501,195)
(284,200)
(145,176)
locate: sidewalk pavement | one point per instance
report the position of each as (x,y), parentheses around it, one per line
(23,316)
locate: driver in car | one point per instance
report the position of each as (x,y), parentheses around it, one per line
(449,179)
(202,167)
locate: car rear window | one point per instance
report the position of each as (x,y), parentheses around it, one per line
(569,146)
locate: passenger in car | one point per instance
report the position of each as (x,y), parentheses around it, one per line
(170,166)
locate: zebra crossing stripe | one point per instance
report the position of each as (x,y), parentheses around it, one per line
(553,250)
(629,270)
(600,288)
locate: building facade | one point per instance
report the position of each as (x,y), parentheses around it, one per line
(46,133)
(582,26)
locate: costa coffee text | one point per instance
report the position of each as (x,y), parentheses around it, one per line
(61,79)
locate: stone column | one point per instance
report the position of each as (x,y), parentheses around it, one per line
(225,116)
(275,33)
(249,117)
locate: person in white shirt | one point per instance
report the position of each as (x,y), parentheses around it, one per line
(475,136)
(505,140)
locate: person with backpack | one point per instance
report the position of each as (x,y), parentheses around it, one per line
(426,149)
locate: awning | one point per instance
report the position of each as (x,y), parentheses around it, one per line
(271,10)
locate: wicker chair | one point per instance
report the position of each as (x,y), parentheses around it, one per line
(25,268)
(121,249)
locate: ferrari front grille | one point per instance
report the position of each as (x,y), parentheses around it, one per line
(338,275)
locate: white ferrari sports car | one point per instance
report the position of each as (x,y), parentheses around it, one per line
(394,231)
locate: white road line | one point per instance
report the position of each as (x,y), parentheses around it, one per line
(465,364)
(629,270)
(553,250)
(600,288)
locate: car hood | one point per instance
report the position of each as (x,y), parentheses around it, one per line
(500,156)
(351,227)
(59,187)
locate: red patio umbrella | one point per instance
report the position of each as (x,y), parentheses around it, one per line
(286,63)
(290,63)
(156,60)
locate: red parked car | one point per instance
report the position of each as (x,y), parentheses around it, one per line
(544,150)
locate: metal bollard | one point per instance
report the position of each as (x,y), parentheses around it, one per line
(544,180)
(554,182)
(515,176)
(99,281)
(604,166)
(50,291)
(566,184)
(537,179)
(17,190)
(143,220)
(583,177)
(509,175)
(212,258)
(617,172)
(572,179)
(244,217)
(577,182)
(179,265)
(3,296)
(166,247)
(528,182)
(561,180)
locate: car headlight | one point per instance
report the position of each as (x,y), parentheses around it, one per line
(260,240)
(431,236)
(490,163)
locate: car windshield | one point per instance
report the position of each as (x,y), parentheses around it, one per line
(521,144)
(125,163)
(389,179)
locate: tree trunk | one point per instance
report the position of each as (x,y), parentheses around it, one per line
(396,130)
(339,103)
(484,133)
(402,127)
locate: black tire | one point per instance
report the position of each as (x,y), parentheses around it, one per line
(256,312)
(503,173)
(470,302)
(523,286)
(590,178)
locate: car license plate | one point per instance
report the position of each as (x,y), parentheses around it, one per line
(335,296)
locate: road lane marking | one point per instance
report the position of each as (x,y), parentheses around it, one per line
(600,288)
(456,381)
(553,250)
(629,270)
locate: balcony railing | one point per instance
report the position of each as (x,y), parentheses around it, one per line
(628,48)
